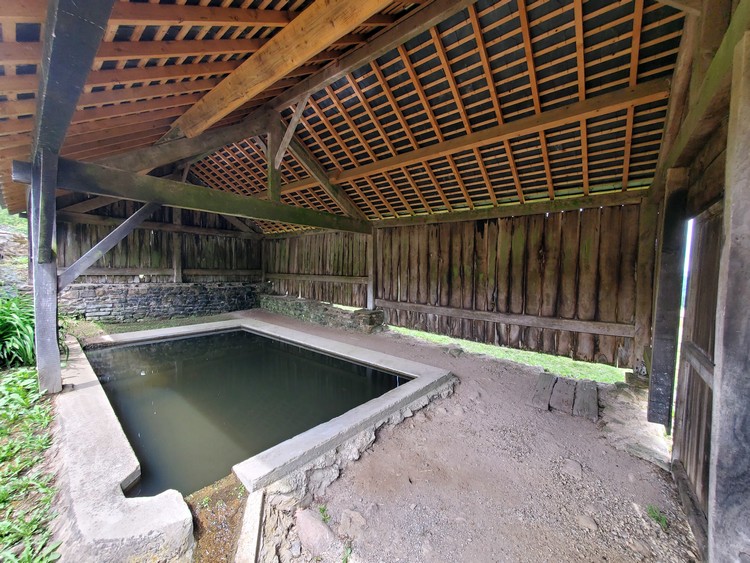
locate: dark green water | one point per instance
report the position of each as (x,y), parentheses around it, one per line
(194,407)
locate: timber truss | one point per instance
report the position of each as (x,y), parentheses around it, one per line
(397,111)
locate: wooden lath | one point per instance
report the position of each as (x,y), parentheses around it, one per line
(480,67)
(150,53)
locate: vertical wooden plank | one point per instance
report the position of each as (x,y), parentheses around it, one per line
(403,274)
(433,264)
(414,273)
(372,261)
(387,273)
(609,274)
(647,224)
(424,274)
(395,266)
(626,283)
(444,273)
(588,258)
(177,247)
(491,290)
(551,277)
(502,301)
(467,277)
(517,270)
(480,276)
(571,223)
(534,268)
(456,296)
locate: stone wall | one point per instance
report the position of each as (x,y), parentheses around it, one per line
(132,302)
(284,500)
(324,314)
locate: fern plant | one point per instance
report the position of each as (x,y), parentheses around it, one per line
(16,331)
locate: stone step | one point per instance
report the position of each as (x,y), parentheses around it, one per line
(571,396)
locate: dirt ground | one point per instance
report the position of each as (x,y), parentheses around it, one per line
(484,477)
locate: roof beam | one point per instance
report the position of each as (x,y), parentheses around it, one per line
(515,210)
(417,22)
(132,13)
(73,32)
(316,28)
(573,113)
(693,7)
(708,108)
(335,191)
(172,151)
(94,179)
(71,36)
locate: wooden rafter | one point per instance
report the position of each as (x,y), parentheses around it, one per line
(435,125)
(529,50)
(581,75)
(319,26)
(411,26)
(632,80)
(596,106)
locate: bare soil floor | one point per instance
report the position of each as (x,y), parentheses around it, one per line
(483,477)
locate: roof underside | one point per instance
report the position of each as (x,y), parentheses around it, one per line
(499,61)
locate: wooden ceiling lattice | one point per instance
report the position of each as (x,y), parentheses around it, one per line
(156,60)
(436,88)
(495,63)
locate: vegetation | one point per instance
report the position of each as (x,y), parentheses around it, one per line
(657,516)
(16,331)
(558,365)
(25,488)
(12,222)
(323,509)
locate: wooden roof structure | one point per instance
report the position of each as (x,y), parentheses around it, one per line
(421,108)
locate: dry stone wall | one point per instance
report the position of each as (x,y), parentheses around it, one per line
(133,302)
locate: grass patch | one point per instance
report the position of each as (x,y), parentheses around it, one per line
(12,222)
(554,364)
(25,488)
(657,516)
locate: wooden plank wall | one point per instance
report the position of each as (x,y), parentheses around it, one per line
(331,254)
(695,383)
(546,269)
(561,283)
(205,258)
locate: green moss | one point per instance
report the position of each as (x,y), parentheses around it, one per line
(557,365)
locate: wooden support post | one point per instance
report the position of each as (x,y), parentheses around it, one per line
(372,269)
(729,469)
(105,245)
(670,269)
(45,281)
(275,133)
(712,26)
(177,246)
(647,225)
(45,220)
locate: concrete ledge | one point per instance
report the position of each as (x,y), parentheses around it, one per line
(96,522)
(252,526)
(283,459)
